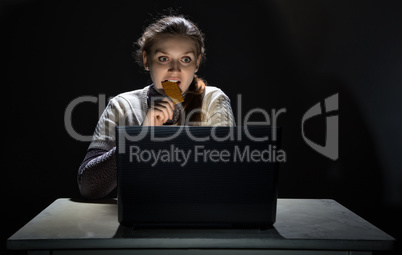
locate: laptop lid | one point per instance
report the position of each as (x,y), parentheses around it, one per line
(197,176)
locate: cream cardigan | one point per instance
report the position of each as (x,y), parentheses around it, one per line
(130,109)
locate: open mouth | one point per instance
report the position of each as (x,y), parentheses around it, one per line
(177,81)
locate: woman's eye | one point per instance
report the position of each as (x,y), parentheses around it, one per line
(186,60)
(163,59)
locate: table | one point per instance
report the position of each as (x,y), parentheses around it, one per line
(303,226)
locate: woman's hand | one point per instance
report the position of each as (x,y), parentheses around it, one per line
(159,112)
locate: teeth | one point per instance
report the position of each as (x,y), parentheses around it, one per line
(173,80)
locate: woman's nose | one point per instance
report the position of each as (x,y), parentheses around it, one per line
(174,66)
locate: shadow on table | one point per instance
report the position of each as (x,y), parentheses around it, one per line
(185,232)
(198,232)
(95,201)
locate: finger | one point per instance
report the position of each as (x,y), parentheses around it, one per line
(163,111)
(167,106)
(159,114)
(169,101)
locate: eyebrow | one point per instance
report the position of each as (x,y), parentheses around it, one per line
(164,52)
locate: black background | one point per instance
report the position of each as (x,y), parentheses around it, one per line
(276,54)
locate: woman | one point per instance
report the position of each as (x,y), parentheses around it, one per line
(171,49)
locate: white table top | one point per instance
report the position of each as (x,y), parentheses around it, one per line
(301,224)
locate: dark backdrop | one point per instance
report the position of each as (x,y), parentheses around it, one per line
(276,54)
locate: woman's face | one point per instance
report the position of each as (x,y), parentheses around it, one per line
(172,58)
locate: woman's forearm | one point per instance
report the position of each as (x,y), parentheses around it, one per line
(97,175)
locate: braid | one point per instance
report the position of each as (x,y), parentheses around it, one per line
(193,100)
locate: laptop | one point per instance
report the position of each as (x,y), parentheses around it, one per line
(182,176)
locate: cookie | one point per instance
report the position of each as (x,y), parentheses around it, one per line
(172,90)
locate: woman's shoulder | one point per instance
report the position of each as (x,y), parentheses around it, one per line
(133,94)
(135,97)
(213,93)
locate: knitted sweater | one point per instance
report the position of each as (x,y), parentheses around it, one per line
(97,173)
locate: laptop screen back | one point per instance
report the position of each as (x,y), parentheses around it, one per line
(197,176)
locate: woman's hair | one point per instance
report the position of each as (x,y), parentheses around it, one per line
(177,26)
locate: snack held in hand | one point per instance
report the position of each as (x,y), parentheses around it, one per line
(172,90)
